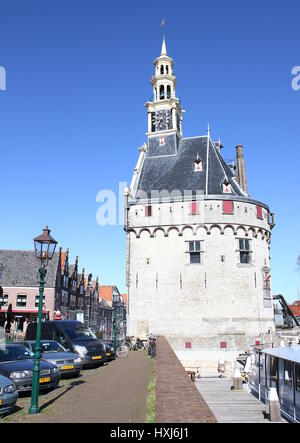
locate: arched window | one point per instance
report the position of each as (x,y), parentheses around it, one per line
(168,91)
(162,69)
(167,69)
(162,92)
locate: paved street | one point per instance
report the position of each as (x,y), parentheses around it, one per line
(115,393)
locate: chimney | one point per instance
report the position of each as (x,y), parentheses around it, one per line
(241,168)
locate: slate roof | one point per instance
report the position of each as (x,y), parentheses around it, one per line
(174,169)
(20,268)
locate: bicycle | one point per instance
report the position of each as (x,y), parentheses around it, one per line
(151,346)
(122,350)
(139,346)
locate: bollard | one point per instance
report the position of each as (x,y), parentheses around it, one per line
(274,406)
(237,381)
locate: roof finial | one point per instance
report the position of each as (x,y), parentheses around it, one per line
(163,48)
(208,130)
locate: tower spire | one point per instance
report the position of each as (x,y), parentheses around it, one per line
(163,48)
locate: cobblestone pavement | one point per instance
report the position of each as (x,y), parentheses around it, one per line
(113,393)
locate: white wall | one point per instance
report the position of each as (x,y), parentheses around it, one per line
(203,303)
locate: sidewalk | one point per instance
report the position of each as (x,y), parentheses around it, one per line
(114,393)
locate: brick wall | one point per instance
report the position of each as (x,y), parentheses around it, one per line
(177,398)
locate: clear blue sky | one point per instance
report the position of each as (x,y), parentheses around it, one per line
(73,113)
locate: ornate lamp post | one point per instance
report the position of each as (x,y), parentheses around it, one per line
(44,246)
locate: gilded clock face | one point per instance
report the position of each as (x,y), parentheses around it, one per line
(161,120)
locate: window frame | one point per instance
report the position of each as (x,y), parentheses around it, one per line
(37,300)
(21,304)
(2,300)
(259,212)
(148,211)
(195,252)
(194,208)
(244,251)
(226,202)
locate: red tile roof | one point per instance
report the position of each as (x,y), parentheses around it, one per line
(124,296)
(106,292)
(295,308)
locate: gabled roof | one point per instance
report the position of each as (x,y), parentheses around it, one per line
(104,304)
(124,297)
(20,268)
(105,292)
(175,171)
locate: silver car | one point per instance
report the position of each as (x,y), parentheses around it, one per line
(8,395)
(69,363)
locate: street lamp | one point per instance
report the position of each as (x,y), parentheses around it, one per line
(44,246)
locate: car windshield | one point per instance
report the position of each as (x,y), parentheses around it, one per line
(49,346)
(13,353)
(80,332)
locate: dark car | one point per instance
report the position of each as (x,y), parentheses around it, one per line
(16,363)
(69,363)
(74,336)
(109,348)
(8,395)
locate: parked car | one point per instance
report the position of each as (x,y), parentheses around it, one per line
(109,348)
(16,363)
(74,336)
(69,363)
(8,395)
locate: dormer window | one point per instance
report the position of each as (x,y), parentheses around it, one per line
(226,187)
(198,166)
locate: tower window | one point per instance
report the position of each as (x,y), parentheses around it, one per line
(168,91)
(226,186)
(227,207)
(148,211)
(162,92)
(195,252)
(198,164)
(194,208)
(162,69)
(245,251)
(259,212)
(167,69)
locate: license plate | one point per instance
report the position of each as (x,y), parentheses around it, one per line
(97,357)
(45,380)
(108,354)
(65,367)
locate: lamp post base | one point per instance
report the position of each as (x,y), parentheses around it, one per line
(33,410)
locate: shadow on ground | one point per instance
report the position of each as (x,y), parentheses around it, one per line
(53,400)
